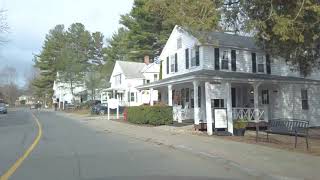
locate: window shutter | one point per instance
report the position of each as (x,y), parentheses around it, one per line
(254,62)
(187,58)
(128,96)
(168,65)
(176,62)
(216,59)
(233,60)
(268,64)
(197,56)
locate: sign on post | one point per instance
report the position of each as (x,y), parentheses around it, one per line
(113,104)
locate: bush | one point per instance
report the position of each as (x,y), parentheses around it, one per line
(153,115)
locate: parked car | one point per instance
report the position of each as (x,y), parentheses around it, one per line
(99,109)
(33,106)
(3,108)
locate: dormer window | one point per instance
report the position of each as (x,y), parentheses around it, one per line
(117,79)
(179,43)
(225,60)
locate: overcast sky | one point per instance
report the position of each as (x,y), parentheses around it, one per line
(30,21)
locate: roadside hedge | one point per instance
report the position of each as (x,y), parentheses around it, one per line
(153,115)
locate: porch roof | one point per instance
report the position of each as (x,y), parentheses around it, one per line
(215,75)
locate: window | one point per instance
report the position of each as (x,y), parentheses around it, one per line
(172,66)
(187,58)
(304,99)
(179,43)
(216,59)
(268,64)
(192,98)
(265,97)
(233,60)
(176,62)
(148,81)
(195,57)
(254,62)
(183,96)
(225,60)
(155,77)
(168,65)
(117,79)
(218,103)
(260,64)
(187,95)
(132,97)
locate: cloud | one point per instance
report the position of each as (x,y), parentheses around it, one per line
(30,21)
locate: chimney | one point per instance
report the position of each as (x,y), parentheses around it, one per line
(146,60)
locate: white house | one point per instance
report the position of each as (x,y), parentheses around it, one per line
(126,76)
(62,92)
(229,77)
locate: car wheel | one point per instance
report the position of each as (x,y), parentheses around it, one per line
(101,112)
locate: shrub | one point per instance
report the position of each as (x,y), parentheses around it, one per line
(153,115)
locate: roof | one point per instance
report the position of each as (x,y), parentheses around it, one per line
(231,40)
(131,69)
(225,39)
(233,76)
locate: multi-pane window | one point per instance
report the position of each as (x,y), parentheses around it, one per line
(195,55)
(218,103)
(132,97)
(187,94)
(172,64)
(179,43)
(265,97)
(304,99)
(225,60)
(260,64)
(117,79)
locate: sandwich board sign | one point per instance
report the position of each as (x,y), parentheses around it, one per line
(113,104)
(220,118)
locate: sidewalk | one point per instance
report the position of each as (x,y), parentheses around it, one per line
(255,159)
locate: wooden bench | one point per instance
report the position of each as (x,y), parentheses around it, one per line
(285,126)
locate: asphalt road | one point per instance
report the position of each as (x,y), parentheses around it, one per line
(69,149)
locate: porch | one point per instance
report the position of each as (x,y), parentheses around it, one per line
(218,98)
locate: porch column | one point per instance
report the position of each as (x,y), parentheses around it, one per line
(208,108)
(196,102)
(229,107)
(151,96)
(170,95)
(256,101)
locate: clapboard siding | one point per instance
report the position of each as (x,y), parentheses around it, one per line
(287,103)
(243,58)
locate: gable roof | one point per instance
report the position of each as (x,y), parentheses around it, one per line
(131,69)
(223,39)
(231,40)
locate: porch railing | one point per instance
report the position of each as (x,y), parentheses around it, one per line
(248,113)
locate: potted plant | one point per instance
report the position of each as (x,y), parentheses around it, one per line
(239,126)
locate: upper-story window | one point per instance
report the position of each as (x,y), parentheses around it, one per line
(195,61)
(225,60)
(155,77)
(179,43)
(172,63)
(118,79)
(260,64)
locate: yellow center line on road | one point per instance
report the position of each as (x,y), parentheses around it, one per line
(18,163)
